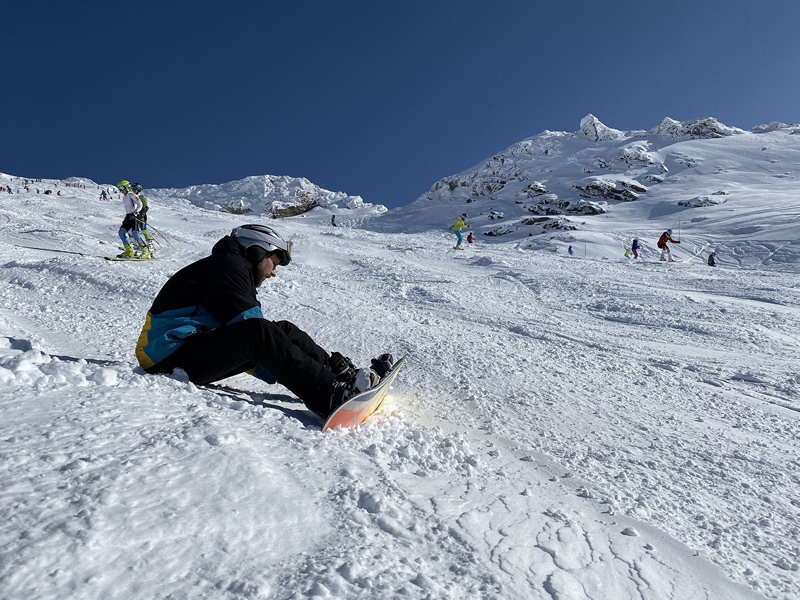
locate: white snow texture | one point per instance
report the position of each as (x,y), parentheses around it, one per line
(567,427)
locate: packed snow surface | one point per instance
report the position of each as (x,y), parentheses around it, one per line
(566,427)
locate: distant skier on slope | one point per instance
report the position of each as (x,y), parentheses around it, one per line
(333,220)
(662,244)
(132,206)
(571,251)
(635,248)
(460,224)
(208,321)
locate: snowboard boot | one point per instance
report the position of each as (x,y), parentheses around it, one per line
(361,381)
(128,253)
(342,367)
(382,365)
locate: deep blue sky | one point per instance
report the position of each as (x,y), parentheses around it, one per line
(374,98)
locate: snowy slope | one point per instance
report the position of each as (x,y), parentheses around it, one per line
(567,427)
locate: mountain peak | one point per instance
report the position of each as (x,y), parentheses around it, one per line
(595,130)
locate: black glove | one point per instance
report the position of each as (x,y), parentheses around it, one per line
(382,365)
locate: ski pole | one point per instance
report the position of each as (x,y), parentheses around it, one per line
(156,230)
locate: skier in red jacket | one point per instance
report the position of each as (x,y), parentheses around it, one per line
(662,243)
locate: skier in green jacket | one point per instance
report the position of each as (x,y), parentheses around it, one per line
(461,223)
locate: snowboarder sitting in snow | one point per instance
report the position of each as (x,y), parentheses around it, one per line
(207,321)
(662,244)
(712,259)
(460,224)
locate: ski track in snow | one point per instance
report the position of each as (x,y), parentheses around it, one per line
(565,428)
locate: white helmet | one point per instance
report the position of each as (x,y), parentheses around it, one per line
(266,238)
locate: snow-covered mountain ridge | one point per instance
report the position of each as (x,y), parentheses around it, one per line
(265,195)
(557,187)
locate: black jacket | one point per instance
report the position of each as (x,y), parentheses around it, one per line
(212,292)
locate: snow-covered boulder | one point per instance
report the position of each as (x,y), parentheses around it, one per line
(639,154)
(701,201)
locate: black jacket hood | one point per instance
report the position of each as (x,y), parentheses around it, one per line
(229,245)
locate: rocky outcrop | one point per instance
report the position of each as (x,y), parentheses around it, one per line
(700,128)
(623,190)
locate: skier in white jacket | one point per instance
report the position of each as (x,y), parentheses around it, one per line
(130,224)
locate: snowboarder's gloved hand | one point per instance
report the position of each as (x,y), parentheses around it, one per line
(382,365)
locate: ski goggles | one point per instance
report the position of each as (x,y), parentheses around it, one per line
(284,254)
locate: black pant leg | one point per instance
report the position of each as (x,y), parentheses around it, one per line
(282,349)
(303,341)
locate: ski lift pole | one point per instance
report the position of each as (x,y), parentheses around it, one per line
(677,225)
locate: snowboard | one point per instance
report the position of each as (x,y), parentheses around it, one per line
(361,406)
